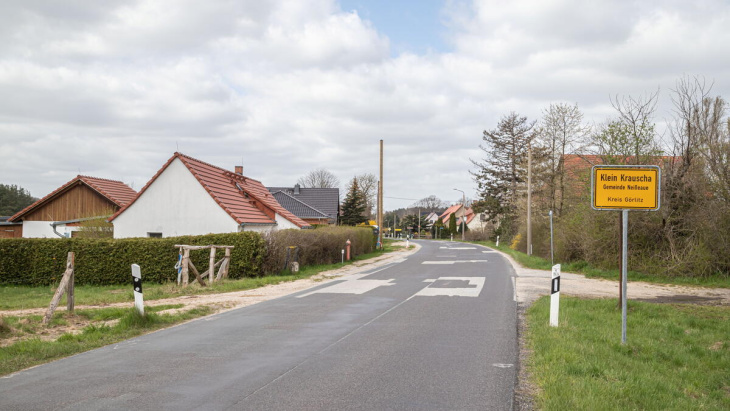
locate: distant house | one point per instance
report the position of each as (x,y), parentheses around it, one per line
(324,200)
(190,197)
(468,216)
(431,217)
(304,211)
(60,213)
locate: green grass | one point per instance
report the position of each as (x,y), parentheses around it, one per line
(23,297)
(677,357)
(34,351)
(589,271)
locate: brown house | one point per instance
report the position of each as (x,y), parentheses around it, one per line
(60,213)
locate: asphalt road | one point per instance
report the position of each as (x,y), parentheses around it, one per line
(434,331)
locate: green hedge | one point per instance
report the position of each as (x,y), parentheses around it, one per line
(42,261)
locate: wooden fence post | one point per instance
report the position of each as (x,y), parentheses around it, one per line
(185,266)
(67,276)
(70,287)
(211,265)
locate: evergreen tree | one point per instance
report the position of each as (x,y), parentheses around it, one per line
(452,223)
(353,208)
(437,229)
(13,199)
(501,174)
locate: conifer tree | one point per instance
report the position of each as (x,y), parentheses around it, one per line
(502,172)
(353,208)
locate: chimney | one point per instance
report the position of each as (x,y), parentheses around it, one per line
(239,170)
(296,189)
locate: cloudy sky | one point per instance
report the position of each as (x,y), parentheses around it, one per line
(112,89)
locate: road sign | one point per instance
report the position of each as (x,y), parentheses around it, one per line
(625,187)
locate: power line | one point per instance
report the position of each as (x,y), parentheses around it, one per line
(400,198)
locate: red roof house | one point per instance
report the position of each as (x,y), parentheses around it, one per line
(190,197)
(59,213)
(458,209)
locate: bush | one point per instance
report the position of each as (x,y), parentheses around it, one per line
(42,261)
(318,246)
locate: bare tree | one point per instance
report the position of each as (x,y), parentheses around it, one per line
(560,129)
(702,130)
(319,178)
(369,187)
(430,203)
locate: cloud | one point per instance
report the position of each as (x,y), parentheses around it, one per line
(287,86)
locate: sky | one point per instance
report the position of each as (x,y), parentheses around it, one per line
(112,89)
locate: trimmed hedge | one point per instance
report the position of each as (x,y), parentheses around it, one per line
(42,261)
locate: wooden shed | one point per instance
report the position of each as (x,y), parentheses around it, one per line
(60,213)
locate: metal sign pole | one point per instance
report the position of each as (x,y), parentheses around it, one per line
(624,270)
(552,253)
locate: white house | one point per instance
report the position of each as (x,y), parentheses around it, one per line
(190,197)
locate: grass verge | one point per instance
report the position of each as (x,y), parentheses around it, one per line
(130,323)
(677,357)
(582,267)
(23,297)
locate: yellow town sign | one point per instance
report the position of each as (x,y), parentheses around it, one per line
(625,187)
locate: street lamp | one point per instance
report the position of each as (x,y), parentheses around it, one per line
(463,213)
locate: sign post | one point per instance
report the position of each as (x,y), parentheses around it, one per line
(555,296)
(625,188)
(137,282)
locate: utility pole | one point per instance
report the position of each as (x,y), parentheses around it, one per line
(529,198)
(463,212)
(419,223)
(380,198)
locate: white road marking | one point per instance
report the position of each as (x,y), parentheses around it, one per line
(459,248)
(514,289)
(454,262)
(353,285)
(476,284)
(503,365)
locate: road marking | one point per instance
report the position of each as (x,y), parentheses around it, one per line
(475,287)
(353,285)
(514,289)
(503,365)
(459,248)
(454,262)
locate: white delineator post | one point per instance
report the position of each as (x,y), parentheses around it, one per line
(137,281)
(555,296)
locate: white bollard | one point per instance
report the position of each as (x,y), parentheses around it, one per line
(343,256)
(497,241)
(137,281)
(555,296)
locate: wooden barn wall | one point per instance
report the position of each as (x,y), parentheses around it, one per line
(77,202)
(11,231)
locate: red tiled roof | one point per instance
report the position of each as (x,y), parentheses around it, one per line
(116,192)
(454,208)
(246,200)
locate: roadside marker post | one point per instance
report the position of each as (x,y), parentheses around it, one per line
(625,188)
(555,296)
(137,282)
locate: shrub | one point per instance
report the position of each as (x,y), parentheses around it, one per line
(318,246)
(42,261)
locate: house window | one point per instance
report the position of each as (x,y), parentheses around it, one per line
(154,235)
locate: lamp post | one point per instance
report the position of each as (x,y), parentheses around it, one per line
(463,213)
